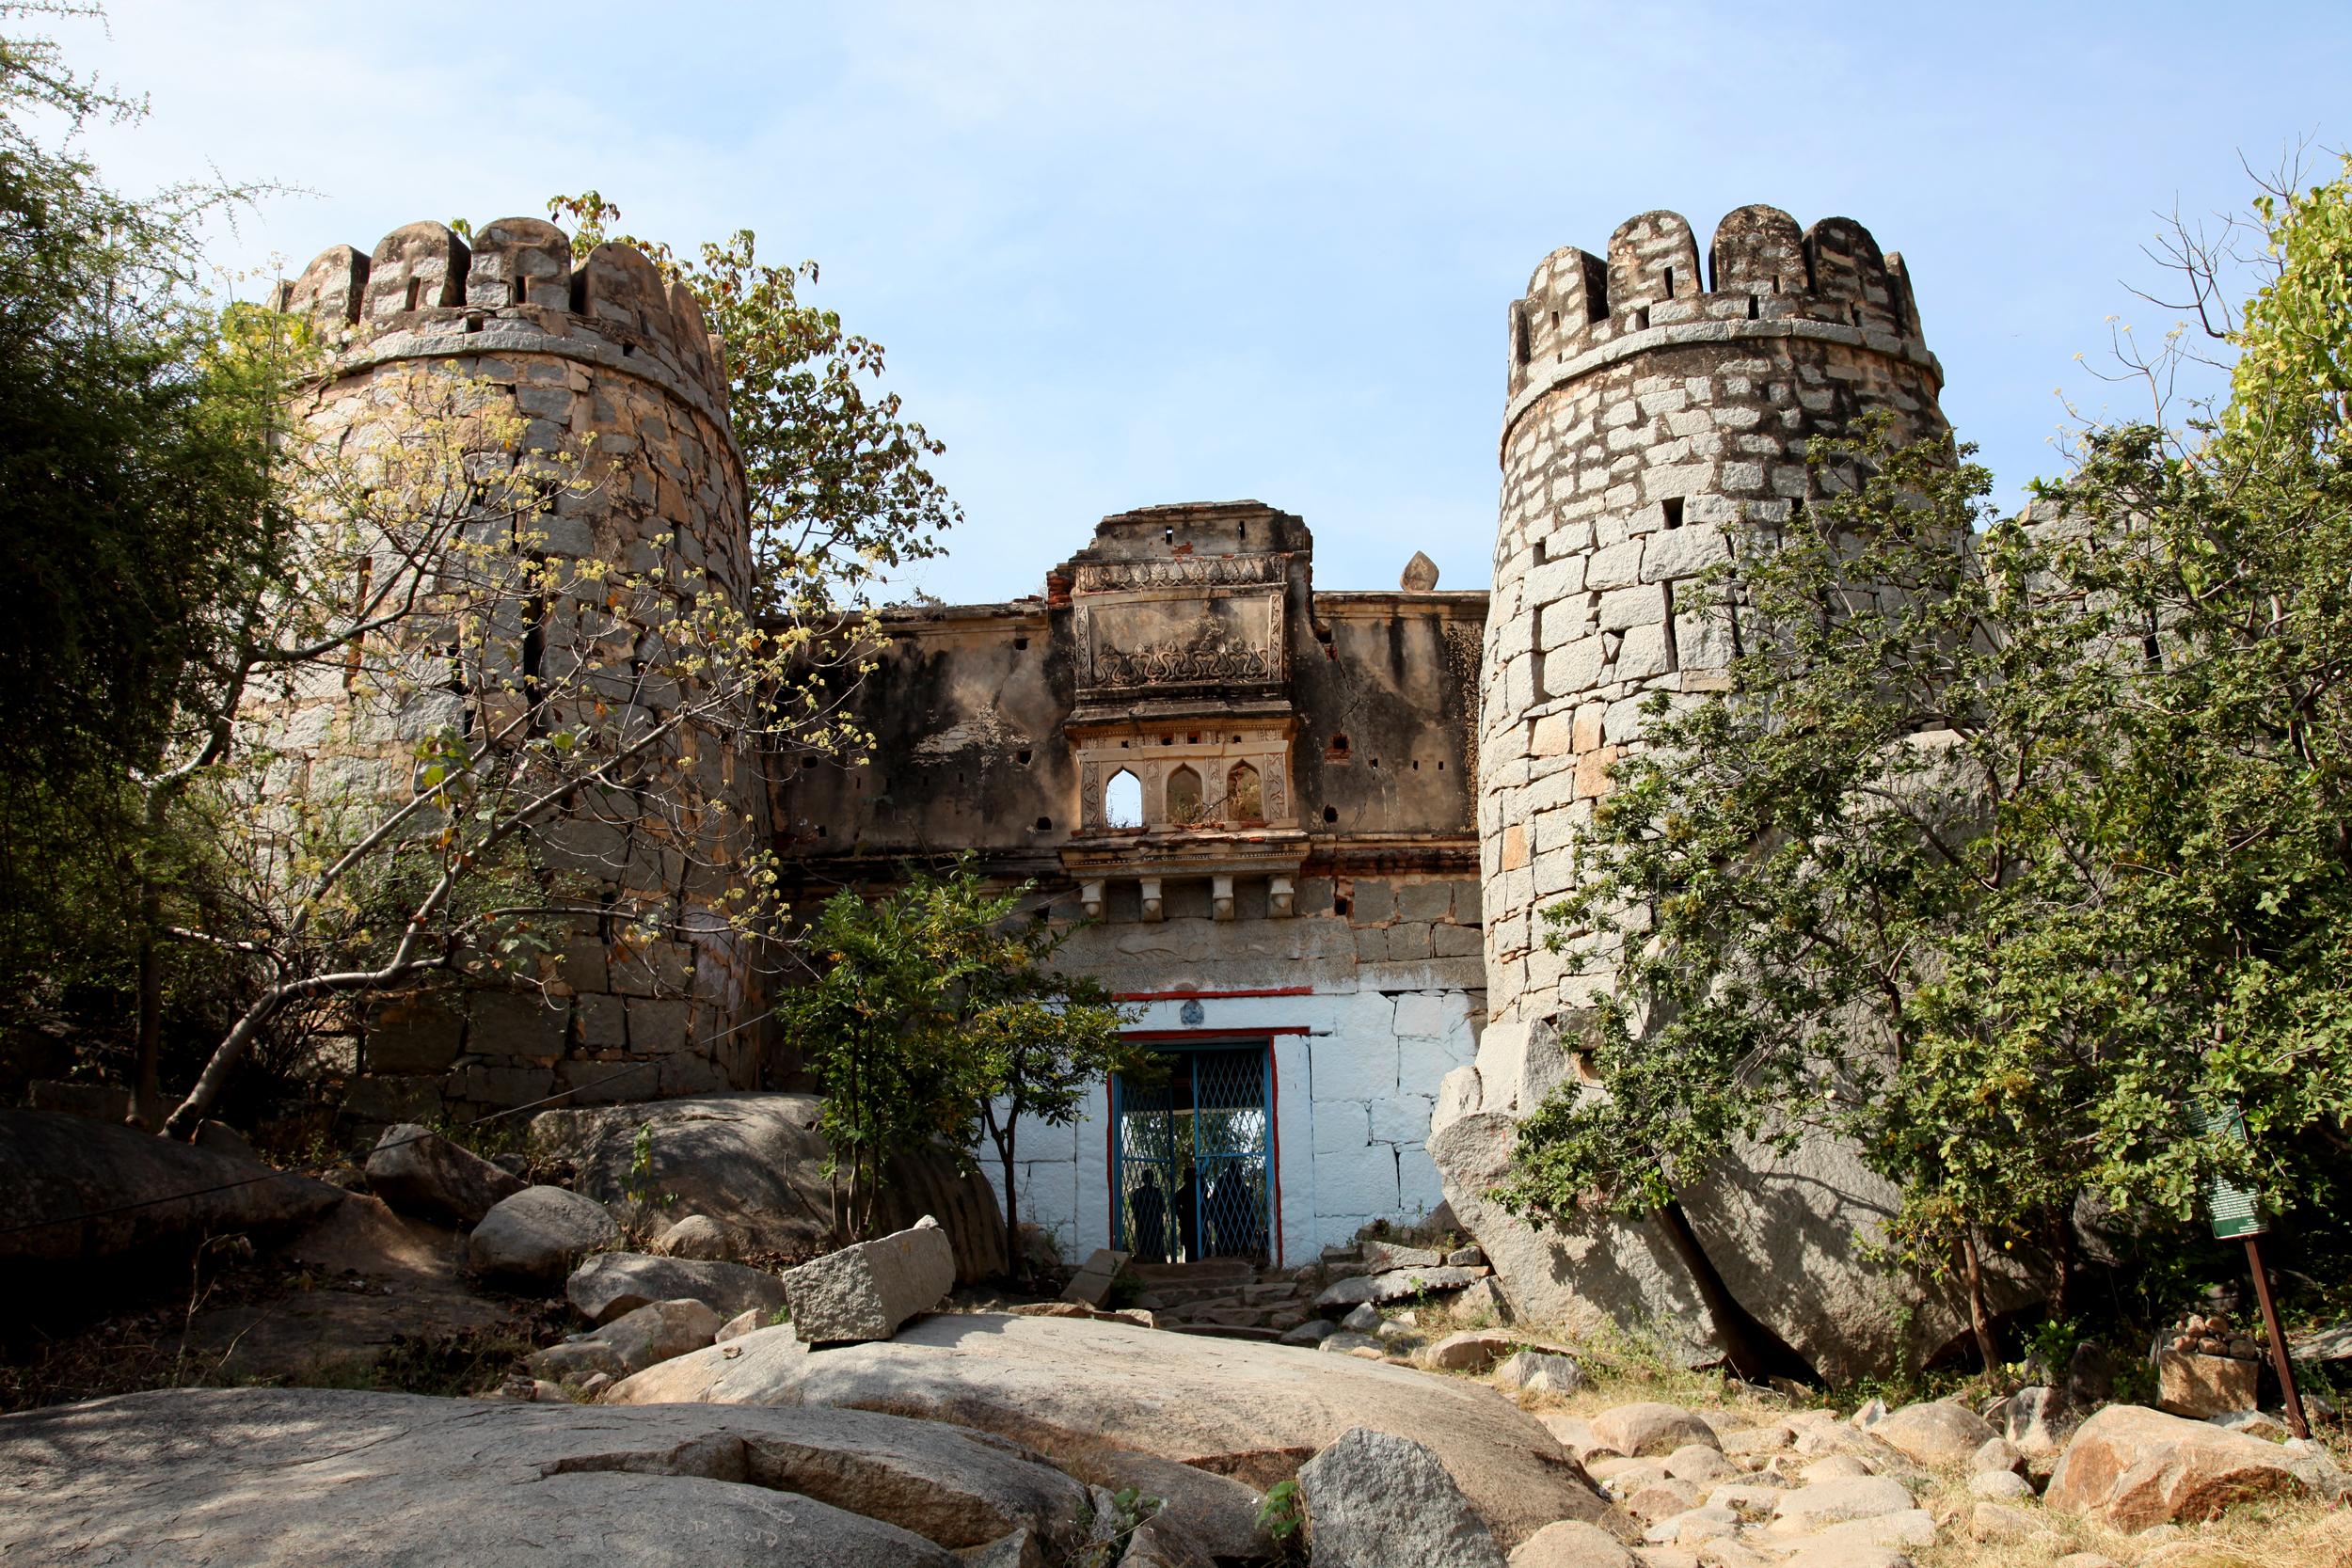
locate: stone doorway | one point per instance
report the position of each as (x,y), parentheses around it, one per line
(1192,1157)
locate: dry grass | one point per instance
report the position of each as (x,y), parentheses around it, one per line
(1621,1368)
(2258,1535)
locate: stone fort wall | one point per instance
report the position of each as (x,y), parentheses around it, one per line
(596,354)
(1649,413)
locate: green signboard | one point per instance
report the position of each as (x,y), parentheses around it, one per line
(2237,1211)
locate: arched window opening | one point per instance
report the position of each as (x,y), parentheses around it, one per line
(1184,796)
(1123,801)
(1244,803)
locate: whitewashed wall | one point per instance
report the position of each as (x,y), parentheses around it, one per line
(1355,1078)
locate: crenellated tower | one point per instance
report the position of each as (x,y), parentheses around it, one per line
(1651,407)
(602,360)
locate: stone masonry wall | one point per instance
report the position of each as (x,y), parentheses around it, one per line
(602,357)
(1648,417)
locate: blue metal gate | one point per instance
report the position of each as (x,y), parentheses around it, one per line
(1192,1157)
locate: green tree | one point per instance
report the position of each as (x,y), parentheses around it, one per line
(135,425)
(935,1016)
(1045,1040)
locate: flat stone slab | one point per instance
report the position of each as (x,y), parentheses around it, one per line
(1396,1285)
(1067,1387)
(614,1283)
(865,1290)
(292,1478)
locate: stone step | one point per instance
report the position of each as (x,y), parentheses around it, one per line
(1209,1271)
(1185,1295)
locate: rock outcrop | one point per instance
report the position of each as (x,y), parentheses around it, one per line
(294,1478)
(1068,1386)
(2130,1467)
(417,1171)
(81,1191)
(754,1164)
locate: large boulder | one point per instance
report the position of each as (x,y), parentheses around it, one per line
(1790,1234)
(755,1163)
(81,1191)
(1071,1386)
(1377,1500)
(535,1238)
(865,1290)
(613,1283)
(417,1171)
(269,1478)
(2130,1467)
(1649,1427)
(1935,1432)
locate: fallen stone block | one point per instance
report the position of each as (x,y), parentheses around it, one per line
(1091,1284)
(865,1292)
(1399,1285)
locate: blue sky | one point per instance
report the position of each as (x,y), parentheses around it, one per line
(1126,254)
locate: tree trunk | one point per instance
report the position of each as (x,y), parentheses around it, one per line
(1012,1226)
(2061,1261)
(1979,1316)
(1753,1350)
(147,1090)
(182,1122)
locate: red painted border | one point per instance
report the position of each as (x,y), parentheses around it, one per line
(1253,1031)
(1209,995)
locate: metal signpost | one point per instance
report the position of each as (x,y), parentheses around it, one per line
(2237,1216)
